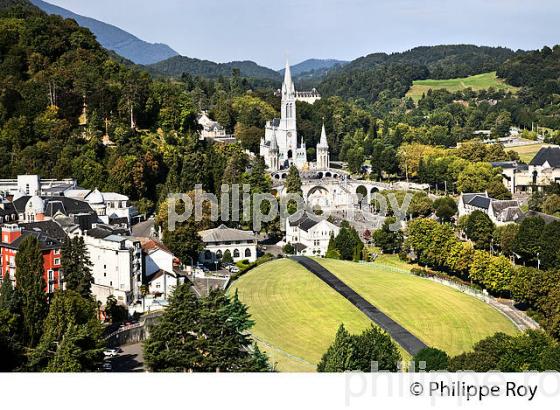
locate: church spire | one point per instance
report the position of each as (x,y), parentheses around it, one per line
(288,83)
(323,142)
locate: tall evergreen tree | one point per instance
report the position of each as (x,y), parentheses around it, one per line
(77,266)
(72,336)
(339,356)
(30,289)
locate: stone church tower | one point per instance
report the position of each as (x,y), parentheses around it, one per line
(284,130)
(323,157)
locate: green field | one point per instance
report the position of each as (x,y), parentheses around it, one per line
(528,152)
(476,82)
(296,315)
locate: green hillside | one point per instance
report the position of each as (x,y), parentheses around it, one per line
(476,82)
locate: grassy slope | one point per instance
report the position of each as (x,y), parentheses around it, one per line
(296,315)
(528,152)
(439,315)
(476,82)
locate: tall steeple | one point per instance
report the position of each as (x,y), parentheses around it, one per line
(288,85)
(323,156)
(273,153)
(323,143)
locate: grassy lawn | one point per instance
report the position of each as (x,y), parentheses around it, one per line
(476,82)
(438,315)
(296,315)
(528,152)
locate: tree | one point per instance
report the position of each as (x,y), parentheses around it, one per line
(72,335)
(550,246)
(551,205)
(497,190)
(173,342)
(528,241)
(475,177)
(348,244)
(479,229)
(390,241)
(375,351)
(372,350)
(115,312)
(293,186)
(289,249)
(339,356)
(77,266)
(445,208)
(529,351)
(431,359)
(203,335)
(30,289)
(227,257)
(332,252)
(504,237)
(494,273)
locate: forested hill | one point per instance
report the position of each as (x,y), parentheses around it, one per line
(177,66)
(114,38)
(367,77)
(313,64)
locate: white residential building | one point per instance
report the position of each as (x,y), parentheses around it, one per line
(500,211)
(242,245)
(117,265)
(160,268)
(310,235)
(35,185)
(109,206)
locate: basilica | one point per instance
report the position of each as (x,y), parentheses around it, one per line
(279,147)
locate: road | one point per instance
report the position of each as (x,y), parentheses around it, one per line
(131,359)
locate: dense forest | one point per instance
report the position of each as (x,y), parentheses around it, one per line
(179,65)
(392,74)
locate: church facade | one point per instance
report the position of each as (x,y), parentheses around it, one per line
(280,147)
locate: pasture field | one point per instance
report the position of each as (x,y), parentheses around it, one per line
(476,82)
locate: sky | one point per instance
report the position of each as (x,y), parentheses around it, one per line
(269,31)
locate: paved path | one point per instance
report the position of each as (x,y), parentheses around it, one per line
(403,337)
(131,359)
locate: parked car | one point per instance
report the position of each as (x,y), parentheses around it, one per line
(234,269)
(107,367)
(111,353)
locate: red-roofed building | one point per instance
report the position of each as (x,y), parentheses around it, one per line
(10,240)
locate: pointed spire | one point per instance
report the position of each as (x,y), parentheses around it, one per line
(288,86)
(323,142)
(274,142)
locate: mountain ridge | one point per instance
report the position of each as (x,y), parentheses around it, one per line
(114,38)
(178,65)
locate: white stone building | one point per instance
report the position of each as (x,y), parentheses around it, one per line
(35,185)
(111,207)
(117,265)
(310,235)
(542,171)
(242,245)
(280,147)
(212,130)
(501,212)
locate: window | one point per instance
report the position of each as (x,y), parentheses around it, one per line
(236,253)
(247,253)
(219,254)
(51,275)
(57,261)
